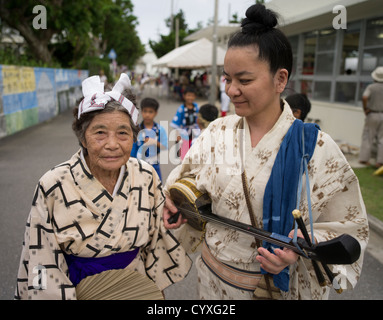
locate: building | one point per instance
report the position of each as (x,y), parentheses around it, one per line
(223,33)
(336,45)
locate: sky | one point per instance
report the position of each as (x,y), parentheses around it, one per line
(152,14)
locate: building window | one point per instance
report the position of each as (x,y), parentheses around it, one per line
(345,92)
(325,62)
(307,88)
(310,42)
(336,65)
(325,52)
(373,52)
(294,46)
(322,90)
(326,40)
(350,50)
(372,58)
(374,34)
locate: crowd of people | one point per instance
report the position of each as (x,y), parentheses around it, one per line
(172,86)
(106,210)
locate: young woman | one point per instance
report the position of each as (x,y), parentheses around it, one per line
(257,67)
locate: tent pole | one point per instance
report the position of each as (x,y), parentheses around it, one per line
(213,80)
(177,44)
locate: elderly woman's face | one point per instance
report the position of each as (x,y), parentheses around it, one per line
(109,141)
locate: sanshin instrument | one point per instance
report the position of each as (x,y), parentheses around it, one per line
(196,208)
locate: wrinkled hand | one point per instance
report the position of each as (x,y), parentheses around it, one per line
(169,210)
(275,262)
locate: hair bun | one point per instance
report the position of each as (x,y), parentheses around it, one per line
(259,19)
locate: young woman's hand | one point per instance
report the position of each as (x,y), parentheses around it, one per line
(275,262)
(169,210)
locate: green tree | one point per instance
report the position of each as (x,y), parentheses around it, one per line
(167,42)
(235,18)
(75,29)
(120,33)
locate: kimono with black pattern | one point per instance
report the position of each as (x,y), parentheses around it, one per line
(72,213)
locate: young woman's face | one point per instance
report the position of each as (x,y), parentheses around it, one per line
(252,88)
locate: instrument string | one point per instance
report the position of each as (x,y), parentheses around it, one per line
(262,235)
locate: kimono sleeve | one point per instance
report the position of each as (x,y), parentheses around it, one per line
(166,262)
(43,271)
(338,208)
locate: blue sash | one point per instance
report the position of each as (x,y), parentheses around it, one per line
(280,196)
(80,267)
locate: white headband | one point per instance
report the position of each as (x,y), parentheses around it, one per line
(95,98)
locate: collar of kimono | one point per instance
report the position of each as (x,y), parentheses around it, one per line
(96,99)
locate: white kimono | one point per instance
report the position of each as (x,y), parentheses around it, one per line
(337,204)
(72,213)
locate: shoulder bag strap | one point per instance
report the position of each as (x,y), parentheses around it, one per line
(252,216)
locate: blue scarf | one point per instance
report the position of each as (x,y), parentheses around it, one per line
(280,197)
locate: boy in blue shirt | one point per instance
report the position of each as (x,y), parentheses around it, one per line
(152,137)
(185,119)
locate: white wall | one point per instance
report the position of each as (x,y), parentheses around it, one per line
(341,122)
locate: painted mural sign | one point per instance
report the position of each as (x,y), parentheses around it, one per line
(32,95)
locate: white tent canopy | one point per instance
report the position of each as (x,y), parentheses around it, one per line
(194,55)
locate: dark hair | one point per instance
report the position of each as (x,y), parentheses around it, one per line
(79,126)
(150,103)
(209,112)
(189,89)
(259,29)
(301,102)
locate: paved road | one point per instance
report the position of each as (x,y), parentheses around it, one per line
(26,156)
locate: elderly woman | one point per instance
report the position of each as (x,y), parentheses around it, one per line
(100,210)
(261,187)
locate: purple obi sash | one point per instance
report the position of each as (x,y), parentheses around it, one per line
(80,267)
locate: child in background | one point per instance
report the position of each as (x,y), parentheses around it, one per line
(185,119)
(207,113)
(300,105)
(152,137)
(186,115)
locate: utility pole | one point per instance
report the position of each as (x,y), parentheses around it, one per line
(171,16)
(213,81)
(177,44)
(177,40)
